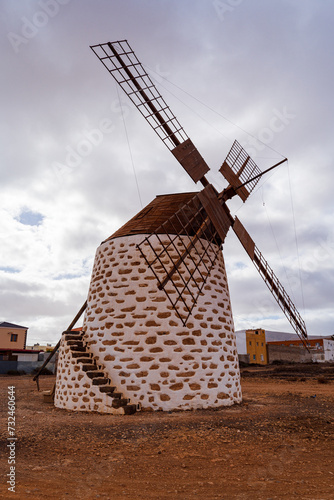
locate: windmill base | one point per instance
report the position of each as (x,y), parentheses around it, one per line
(140,347)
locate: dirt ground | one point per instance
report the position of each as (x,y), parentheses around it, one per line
(278,444)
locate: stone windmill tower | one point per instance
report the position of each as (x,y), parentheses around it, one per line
(158,330)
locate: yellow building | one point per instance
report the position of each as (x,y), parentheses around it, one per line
(12,336)
(256,346)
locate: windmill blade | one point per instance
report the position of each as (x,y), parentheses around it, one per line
(217,211)
(122,63)
(272,282)
(181,253)
(239,169)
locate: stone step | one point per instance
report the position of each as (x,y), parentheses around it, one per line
(117,403)
(94,374)
(82,355)
(75,348)
(108,389)
(79,353)
(100,381)
(130,409)
(90,367)
(78,343)
(83,359)
(73,332)
(72,337)
(116,395)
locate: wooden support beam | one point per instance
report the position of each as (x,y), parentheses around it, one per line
(244,238)
(54,350)
(217,213)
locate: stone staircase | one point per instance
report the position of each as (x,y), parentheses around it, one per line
(96,374)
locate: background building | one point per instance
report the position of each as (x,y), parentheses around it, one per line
(15,356)
(13,336)
(282,346)
(321,350)
(38,347)
(256,346)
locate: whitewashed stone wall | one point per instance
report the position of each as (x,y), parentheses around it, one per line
(133,331)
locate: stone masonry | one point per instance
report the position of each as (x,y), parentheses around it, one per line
(135,336)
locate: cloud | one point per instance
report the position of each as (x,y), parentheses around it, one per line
(78,161)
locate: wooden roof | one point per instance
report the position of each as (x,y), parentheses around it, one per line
(150,218)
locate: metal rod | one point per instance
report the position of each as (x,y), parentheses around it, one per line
(259,175)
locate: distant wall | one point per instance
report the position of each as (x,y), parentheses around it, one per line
(5,366)
(292,354)
(31,357)
(244,358)
(318,357)
(25,366)
(240,338)
(329,350)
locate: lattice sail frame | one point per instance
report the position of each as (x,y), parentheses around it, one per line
(123,64)
(269,277)
(239,168)
(280,295)
(176,240)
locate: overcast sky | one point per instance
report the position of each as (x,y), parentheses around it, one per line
(230,69)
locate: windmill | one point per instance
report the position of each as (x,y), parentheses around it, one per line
(208,210)
(172,346)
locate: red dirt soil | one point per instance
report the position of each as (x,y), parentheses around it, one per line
(278,444)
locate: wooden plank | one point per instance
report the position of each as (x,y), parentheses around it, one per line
(154,215)
(234,180)
(220,218)
(244,238)
(191,160)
